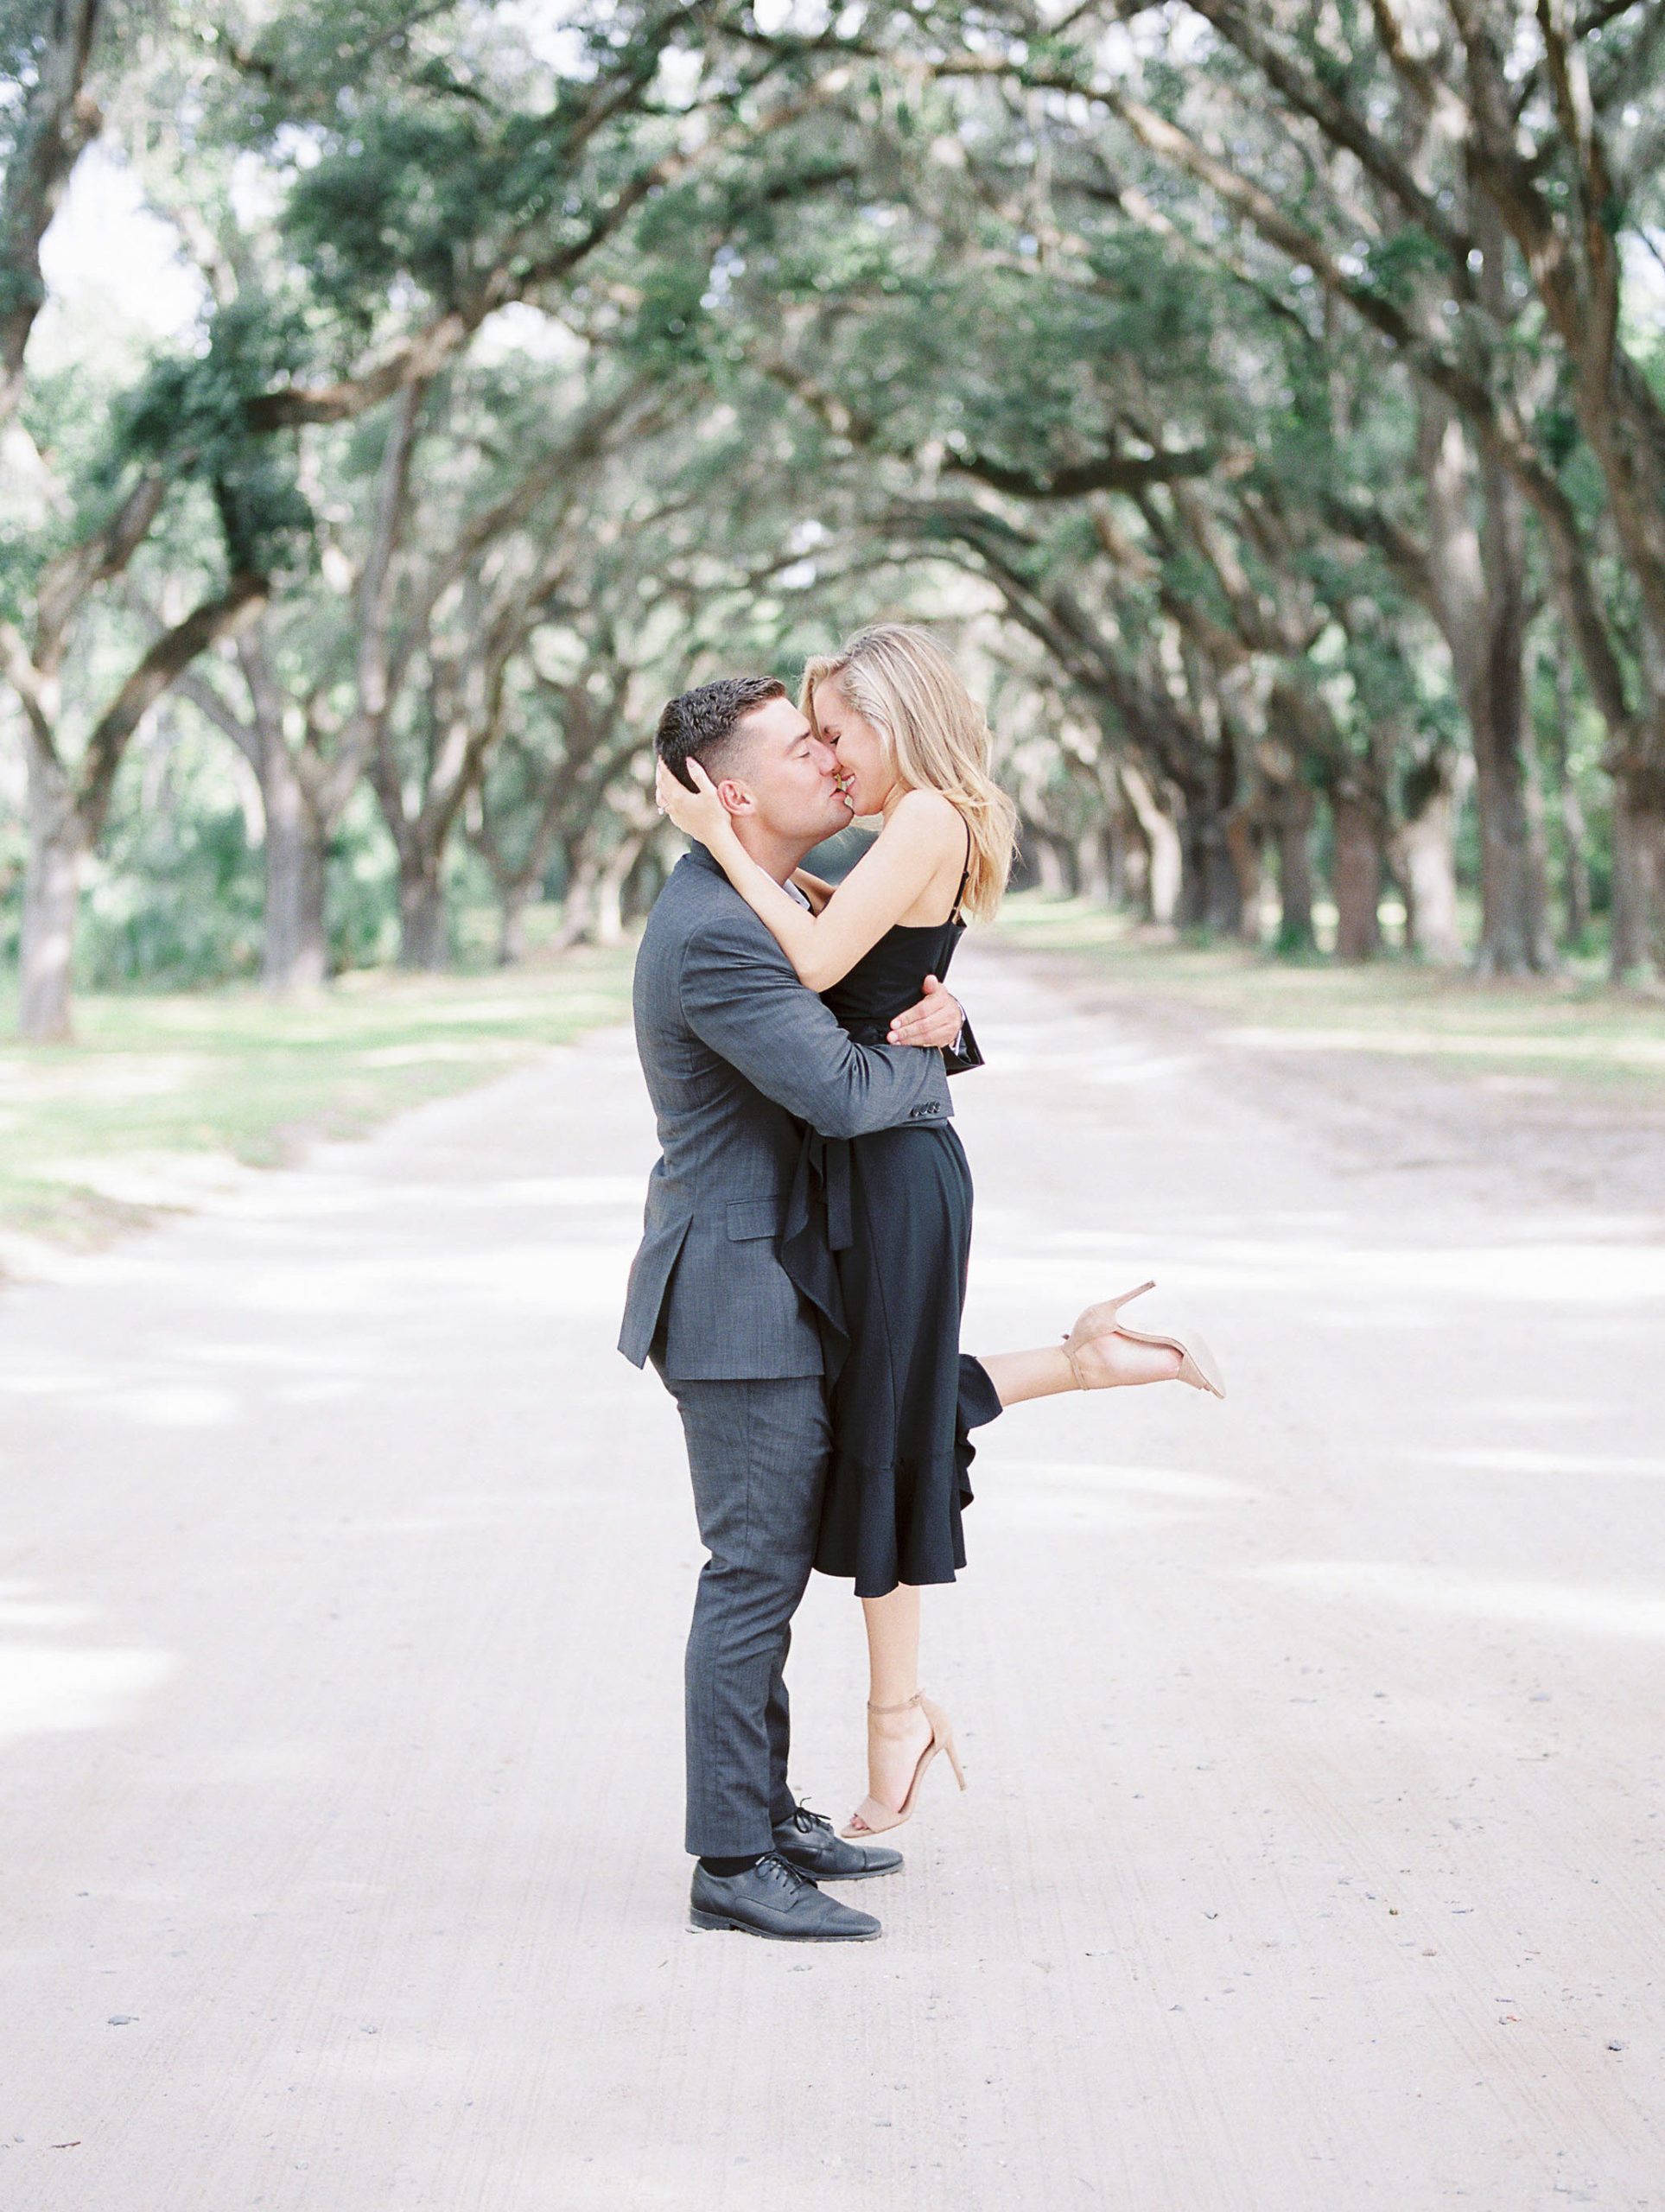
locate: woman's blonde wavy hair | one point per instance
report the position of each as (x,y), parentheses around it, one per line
(898,679)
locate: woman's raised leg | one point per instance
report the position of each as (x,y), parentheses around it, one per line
(1106,1362)
(1104,1351)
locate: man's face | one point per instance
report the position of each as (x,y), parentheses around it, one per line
(788,777)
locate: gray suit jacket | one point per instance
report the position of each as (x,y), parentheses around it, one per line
(738,1055)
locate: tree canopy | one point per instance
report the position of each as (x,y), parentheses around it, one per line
(1269,401)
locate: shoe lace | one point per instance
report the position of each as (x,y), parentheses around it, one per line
(806,1822)
(781,1870)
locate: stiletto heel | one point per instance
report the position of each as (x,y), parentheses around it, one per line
(1161,1327)
(942,1729)
(870,1817)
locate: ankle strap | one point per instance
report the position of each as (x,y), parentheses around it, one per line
(903,1707)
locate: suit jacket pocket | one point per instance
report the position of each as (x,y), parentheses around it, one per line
(754,1218)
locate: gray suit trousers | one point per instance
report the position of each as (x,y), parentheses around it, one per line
(759,1453)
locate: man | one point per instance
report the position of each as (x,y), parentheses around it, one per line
(738,1056)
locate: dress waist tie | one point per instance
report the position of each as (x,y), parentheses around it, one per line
(820,1221)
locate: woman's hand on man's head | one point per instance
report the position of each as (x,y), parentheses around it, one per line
(699,813)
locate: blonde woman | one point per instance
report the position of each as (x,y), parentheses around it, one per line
(878,1227)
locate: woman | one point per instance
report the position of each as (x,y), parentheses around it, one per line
(878,1229)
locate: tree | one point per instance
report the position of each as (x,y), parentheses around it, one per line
(309,752)
(440,194)
(1319,140)
(1162,534)
(58,118)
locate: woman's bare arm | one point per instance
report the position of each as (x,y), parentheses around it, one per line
(923,836)
(814,889)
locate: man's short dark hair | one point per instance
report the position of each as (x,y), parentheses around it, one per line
(701,724)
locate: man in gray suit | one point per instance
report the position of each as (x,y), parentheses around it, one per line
(737,1057)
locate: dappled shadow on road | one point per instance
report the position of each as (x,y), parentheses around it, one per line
(208,1362)
(1476,1597)
(1066,1497)
(48,1685)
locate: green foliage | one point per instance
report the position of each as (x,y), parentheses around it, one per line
(175,896)
(361,903)
(191,413)
(95,1140)
(406,196)
(178,902)
(1557,432)
(450,176)
(869,323)
(308,59)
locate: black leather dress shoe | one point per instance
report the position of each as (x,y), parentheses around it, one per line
(807,1842)
(772,1899)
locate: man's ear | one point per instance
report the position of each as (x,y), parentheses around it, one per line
(735,796)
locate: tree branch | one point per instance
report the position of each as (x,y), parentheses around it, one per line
(65,580)
(423,355)
(166,659)
(1109,472)
(205,698)
(60,119)
(32,690)
(1339,123)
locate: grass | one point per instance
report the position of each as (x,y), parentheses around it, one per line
(1544,1030)
(164,1092)
(161,1092)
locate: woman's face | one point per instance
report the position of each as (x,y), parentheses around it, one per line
(867,780)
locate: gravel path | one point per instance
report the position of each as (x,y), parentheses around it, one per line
(1310,1860)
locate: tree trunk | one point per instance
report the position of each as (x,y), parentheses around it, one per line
(425,937)
(1291,829)
(1093,867)
(609,923)
(1425,855)
(1049,865)
(1357,877)
(1222,887)
(66,813)
(1537,850)
(57,847)
(296,950)
(1118,886)
(1638,919)
(1242,844)
(513,898)
(59,119)
(1166,859)
(1511,907)
(1575,865)
(1575,831)
(1190,910)
(578,908)
(1478,582)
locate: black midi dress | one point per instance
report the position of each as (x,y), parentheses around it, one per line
(878,1236)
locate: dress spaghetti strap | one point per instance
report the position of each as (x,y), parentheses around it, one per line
(954,914)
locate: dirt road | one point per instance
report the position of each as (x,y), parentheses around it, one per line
(1311,1854)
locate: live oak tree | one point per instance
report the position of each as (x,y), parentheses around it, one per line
(1136,450)
(448,174)
(1251,389)
(184,424)
(1428,168)
(46,53)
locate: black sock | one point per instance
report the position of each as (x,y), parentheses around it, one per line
(741,1865)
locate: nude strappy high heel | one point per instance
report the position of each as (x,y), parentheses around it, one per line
(870,1817)
(1158,1325)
